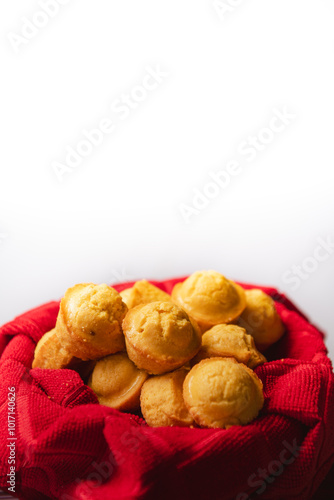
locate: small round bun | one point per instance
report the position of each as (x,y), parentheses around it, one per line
(161,400)
(117,382)
(210,298)
(160,337)
(90,321)
(229,341)
(220,392)
(143,292)
(51,354)
(261,319)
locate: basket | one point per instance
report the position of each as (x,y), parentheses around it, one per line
(66,446)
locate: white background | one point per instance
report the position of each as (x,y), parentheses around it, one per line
(117,215)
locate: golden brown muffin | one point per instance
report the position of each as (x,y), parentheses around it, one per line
(143,292)
(261,319)
(117,382)
(161,400)
(220,392)
(229,341)
(210,298)
(160,337)
(126,296)
(51,354)
(90,319)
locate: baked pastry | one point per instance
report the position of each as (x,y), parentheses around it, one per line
(126,296)
(117,382)
(161,400)
(160,337)
(220,392)
(229,341)
(51,354)
(89,323)
(261,319)
(210,298)
(143,292)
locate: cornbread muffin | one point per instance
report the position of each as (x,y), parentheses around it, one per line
(126,296)
(51,354)
(220,392)
(160,337)
(210,298)
(261,319)
(117,382)
(89,322)
(229,341)
(143,292)
(161,400)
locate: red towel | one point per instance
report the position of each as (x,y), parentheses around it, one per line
(67,446)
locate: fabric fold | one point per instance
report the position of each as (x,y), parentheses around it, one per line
(69,447)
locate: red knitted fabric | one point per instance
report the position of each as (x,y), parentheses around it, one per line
(67,446)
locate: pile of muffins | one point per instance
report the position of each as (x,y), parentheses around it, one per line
(183,360)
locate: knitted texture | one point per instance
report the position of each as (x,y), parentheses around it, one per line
(69,447)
